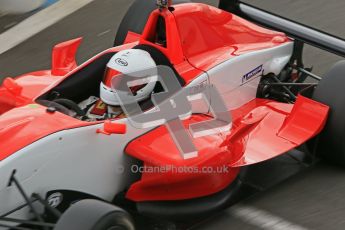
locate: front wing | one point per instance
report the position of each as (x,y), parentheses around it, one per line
(262,129)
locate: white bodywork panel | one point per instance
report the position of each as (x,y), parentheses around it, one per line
(77,159)
(228,77)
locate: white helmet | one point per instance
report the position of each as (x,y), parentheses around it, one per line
(127,62)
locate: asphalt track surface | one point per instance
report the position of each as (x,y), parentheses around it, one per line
(313,199)
(8,21)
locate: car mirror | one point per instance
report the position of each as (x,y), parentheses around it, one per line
(11,85)
(112,128)
(64,57)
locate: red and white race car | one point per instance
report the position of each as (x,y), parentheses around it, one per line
(52,155)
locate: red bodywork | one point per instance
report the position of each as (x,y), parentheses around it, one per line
(202,37)
(199,37)
(262,129)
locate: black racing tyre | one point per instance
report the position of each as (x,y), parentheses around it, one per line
(331,141)
(136,17)
(94,215)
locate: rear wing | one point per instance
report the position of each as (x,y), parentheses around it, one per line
(298,31)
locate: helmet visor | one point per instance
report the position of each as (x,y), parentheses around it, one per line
(110,81)
(109,74)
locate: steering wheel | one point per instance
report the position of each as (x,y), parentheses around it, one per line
(70,105)
(64,106)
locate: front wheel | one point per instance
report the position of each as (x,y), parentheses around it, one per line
(94,215)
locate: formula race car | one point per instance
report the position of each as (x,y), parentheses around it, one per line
(63,168)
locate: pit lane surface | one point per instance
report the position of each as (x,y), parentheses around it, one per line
(9,20)
(311,200)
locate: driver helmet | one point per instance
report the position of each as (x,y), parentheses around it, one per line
(128,62)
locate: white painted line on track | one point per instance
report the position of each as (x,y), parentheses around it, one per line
(262,219)
(38,22)
(103,33)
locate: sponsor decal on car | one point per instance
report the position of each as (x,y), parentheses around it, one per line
(252,73)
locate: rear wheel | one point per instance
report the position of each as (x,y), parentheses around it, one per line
(331,92)
(95,215)
(136,18)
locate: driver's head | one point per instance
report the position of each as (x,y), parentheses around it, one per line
(127,62)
